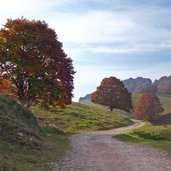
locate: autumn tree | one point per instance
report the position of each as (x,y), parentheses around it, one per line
(113,94)
(7,87)
(32,59)
(148,107)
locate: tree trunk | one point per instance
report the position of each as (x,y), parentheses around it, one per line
(111,108)
(23,99)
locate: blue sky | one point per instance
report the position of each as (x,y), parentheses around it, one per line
(122,38)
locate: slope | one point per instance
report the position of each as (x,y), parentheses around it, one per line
(24,145)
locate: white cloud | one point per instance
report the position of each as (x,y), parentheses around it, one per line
(33,9)
(133,48)
(93,27)
(11,6)
(134,30)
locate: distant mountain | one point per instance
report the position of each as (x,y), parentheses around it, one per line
(163,85)
(141,85)
(88,96)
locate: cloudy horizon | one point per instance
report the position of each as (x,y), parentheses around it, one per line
(121,38)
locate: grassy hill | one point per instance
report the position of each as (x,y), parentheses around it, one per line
(78,117)
(88,102)
(34,140)
(24,145)
(158,133)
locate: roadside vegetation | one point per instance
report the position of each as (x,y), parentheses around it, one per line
(157,133)
(24,145)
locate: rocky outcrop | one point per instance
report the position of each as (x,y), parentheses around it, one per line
(140,85)
(88,96)
(163,85)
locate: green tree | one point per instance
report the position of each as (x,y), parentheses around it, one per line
(113,94)
(32,58)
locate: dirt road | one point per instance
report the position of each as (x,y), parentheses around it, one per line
(98,151)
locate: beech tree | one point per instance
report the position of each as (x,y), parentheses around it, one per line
(32,59)
(148,107)
(113,94)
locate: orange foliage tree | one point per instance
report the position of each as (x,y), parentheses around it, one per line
(113,94)
(148,107)
(32,59)
(7,88)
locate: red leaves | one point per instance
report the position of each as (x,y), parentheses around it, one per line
(148,107)
(7,88)
(39,68)
(112,93)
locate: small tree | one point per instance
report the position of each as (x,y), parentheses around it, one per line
(113,94)
(32,59)
(148,107)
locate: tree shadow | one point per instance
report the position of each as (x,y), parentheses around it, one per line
(163,120)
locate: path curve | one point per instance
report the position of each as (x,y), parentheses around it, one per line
(98,151)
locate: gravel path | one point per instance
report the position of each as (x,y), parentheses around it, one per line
(98,151)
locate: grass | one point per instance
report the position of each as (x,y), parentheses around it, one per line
(78,117)
(18,158)
(156,134)
(24,145)
(29,146)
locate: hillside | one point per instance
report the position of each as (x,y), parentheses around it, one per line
(88,96)
(163,85)
(24,145)
(27,140)
(79,117)
(138,84)
(17,124)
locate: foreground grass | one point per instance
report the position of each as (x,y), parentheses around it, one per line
(78,117)
(156,136)
(24,145)
(18,158)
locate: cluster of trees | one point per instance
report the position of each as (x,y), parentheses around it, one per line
(33,65)
(113,94)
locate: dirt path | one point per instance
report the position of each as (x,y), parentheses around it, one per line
(98,151)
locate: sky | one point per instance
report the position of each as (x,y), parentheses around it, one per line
(121,38)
